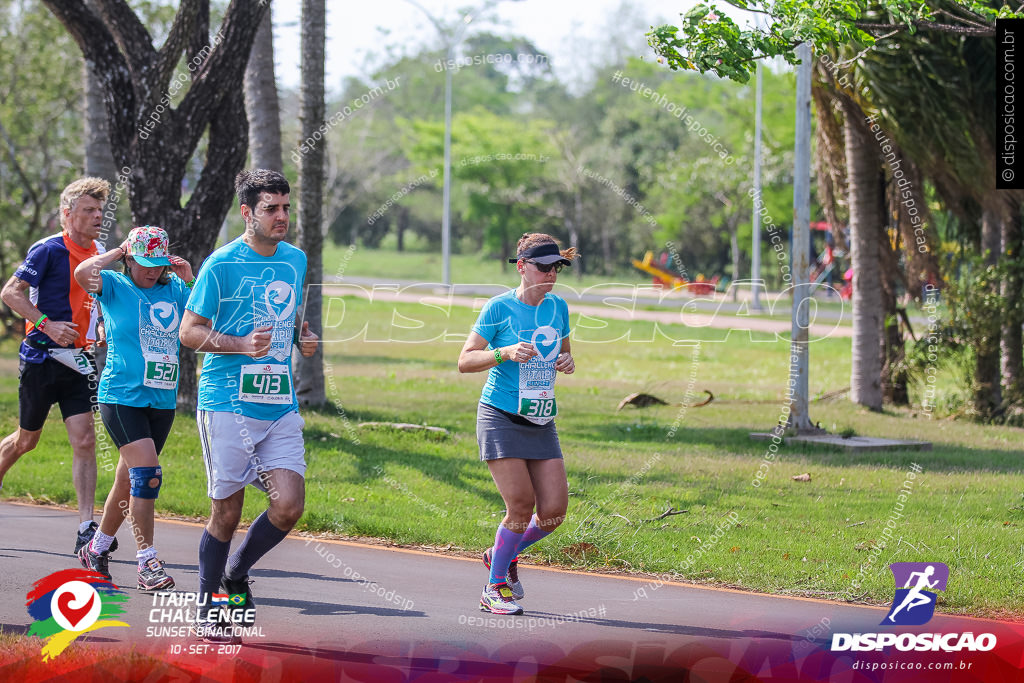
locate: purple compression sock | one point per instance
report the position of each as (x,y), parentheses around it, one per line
(532,534)
(505,544)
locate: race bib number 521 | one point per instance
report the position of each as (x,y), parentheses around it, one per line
(161,371)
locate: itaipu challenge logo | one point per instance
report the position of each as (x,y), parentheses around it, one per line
(71,602)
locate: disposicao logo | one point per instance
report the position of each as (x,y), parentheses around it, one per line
(71,602)
(914,605)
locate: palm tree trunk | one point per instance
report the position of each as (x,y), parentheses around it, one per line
(99,163)
(1010,340)
(734,248)
(99,158)
(987,390)
(894,371)
(574,233)
(401,225)
(862,162)
(309,380)
(261,103)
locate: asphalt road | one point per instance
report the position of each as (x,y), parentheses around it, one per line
(361,608)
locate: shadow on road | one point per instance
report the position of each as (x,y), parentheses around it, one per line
(329,609)
(678,629)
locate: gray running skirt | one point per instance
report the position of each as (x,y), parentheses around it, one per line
(500,437)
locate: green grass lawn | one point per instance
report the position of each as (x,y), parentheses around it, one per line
(626,468)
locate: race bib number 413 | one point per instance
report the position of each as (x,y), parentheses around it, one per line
(266,383)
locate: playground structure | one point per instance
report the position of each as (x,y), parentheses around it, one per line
(666,278)
(826,266)
(825,270)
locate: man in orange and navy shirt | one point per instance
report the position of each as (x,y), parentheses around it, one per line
(60,326)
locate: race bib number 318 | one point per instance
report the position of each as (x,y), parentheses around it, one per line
(538,404)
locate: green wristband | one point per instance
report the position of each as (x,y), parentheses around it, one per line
(40,321)
(497,356)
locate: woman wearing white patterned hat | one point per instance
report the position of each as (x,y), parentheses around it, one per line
(142,309)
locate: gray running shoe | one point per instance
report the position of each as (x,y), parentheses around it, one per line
(512,577)
(497,599)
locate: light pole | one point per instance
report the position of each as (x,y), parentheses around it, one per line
(451,42)
(446,192)
(799,345)
(755,258)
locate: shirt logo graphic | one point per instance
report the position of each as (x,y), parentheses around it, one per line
(546,340)
(164,316)
(279,298)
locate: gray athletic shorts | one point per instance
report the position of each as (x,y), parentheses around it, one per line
(499,437)
(238,449)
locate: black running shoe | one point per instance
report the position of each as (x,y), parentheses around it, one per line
(97,562)
(85,536)
(218,631)
(240,601)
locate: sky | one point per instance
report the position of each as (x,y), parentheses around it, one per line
(571,32)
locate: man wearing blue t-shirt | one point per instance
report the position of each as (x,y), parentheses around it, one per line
(242,314)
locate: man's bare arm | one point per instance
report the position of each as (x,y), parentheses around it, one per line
(15,295)
(196,332)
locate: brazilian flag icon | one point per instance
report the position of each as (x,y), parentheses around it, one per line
(237,599)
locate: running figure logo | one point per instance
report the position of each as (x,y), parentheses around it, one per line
(914,604)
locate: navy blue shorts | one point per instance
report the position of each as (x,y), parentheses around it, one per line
(43,384)
(127,424)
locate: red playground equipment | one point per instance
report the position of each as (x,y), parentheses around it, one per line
(666,278)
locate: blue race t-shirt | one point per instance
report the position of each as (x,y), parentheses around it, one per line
(239,290)
(142,340)
(524,388)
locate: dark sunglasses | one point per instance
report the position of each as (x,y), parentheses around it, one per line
(546,267)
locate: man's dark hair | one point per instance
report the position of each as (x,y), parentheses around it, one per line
(249,185)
